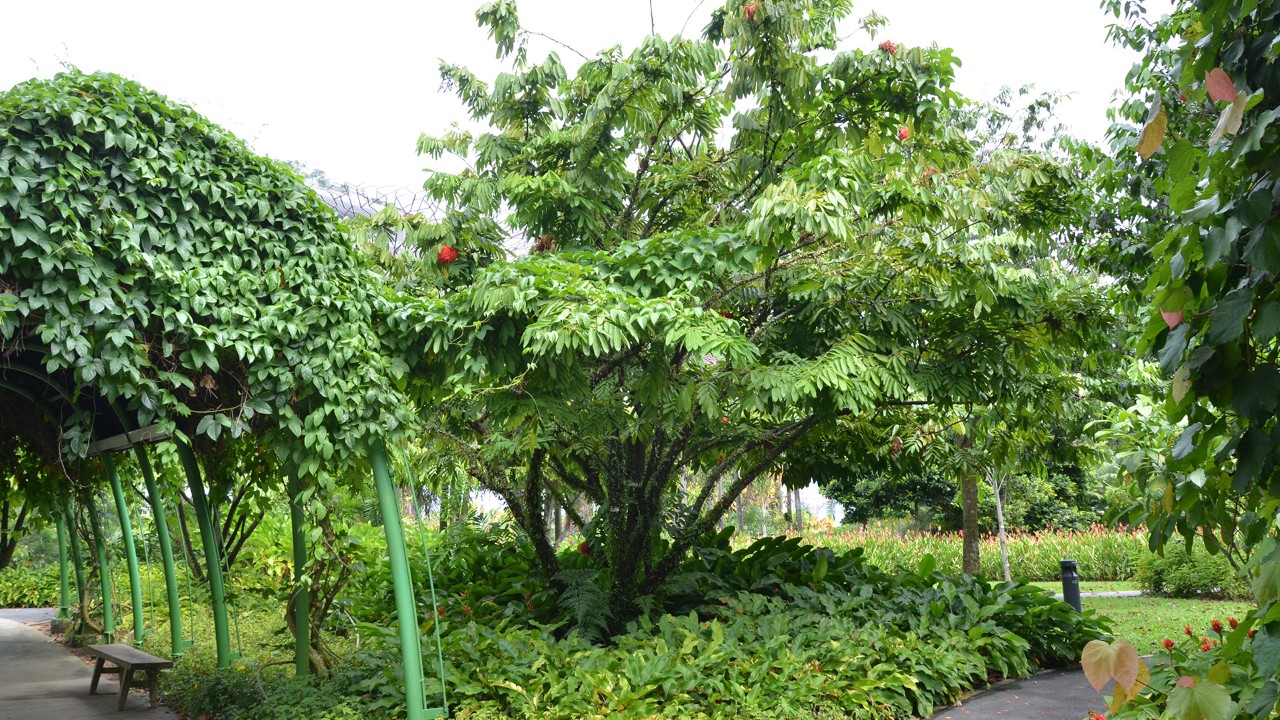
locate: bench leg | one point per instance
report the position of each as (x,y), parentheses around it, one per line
(126,680)
(97,675)
(153,686)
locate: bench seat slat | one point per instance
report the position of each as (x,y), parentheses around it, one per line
(129,657)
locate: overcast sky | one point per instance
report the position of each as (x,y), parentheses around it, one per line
(347,87)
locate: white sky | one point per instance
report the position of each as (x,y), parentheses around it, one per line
(347,87)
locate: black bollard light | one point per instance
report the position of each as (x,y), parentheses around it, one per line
(1070,584)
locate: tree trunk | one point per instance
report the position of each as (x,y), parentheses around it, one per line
(969,500)
(791,513)
(719,494)
(764,516)
(997,484)
(188,552)
(799,511)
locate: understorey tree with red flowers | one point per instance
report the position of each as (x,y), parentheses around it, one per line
(743,241)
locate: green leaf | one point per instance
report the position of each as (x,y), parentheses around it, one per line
(1266,651)
(1203,210)
(1205,700)
(1229,313)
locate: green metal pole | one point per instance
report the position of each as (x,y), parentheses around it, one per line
(130,550)
(302,588)
(176,643)
(104,576)
(77,559)
(213,563)
(64,571)
(406,607)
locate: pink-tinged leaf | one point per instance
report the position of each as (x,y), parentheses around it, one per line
(1172,319)
(1231,118)
(1221,88)
(1103,662)
(1187,681)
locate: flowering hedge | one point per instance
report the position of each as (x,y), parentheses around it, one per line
(1100,553)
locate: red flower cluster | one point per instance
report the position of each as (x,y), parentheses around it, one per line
(1217,626)
(1234,623)
(889,46)
(584,547)
(447,255)
(904,132)
(1187,630)
(1168,644)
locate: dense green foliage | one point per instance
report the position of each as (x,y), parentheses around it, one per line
(779,627)
(1189,572)
(747,252)
(149,255)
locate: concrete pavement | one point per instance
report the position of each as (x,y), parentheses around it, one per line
(40,680)
(1053,695)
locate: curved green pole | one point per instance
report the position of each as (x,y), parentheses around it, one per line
(213,563)
(64,572)
(176,643)
(104,574)
(406,606)
(130,550)
(302,590)
(77,558)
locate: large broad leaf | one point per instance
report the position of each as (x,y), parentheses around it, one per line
(1153,135)
(1201,700)
(1266,651)
(1117,661)
(1230,119)
(1229,315)
(1221,88)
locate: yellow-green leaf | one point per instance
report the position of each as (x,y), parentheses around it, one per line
(1153,135)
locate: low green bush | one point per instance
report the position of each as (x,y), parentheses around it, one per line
(22,586)
(1100,553)
(1190,572)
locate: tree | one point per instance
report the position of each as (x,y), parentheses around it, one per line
(696,306)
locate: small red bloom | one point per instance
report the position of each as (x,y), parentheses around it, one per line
(724,421)
(904,132)
(1187,630)
(726,314)
(1217,626)
(1168,644)
(1234,623)
(889,46)
(447,255)
(1205,647)
(1250,633)
(584,547)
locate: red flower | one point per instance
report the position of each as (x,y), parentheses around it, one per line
(1168,644)
(545,244)
(889,46)
(904,132)
(447,255)
(1217,626)
(1250,633)
(724,421)
(749,10)
(1187,630)
(1234,623)
(584,547)
(1205,647)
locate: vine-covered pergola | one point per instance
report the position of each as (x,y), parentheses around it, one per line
(161,285)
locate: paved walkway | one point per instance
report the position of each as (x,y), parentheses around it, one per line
(40,680)
(1052,695)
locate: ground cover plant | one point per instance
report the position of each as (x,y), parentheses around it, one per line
(776,629)
(1100,553)
(1146,622)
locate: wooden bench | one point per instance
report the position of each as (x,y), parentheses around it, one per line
(127,660)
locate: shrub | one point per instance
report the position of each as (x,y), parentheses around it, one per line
(22,586)
(1190,572)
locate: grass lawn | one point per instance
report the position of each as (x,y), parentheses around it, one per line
(1091,586)
(1145,621)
